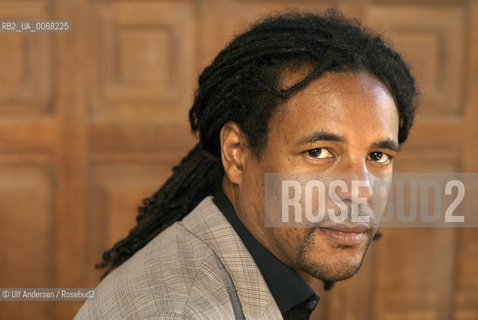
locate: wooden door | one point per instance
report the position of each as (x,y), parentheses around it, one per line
(92,121)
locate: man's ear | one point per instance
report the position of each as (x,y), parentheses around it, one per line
(233,146)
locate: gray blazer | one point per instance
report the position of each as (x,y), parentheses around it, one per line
(196,269)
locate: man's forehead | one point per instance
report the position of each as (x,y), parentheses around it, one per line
(336,102)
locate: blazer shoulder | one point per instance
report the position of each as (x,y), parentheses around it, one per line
(158,279)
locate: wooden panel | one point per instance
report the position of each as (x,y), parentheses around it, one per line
(27,179)
(414,274)
(25,64)
(71,54)
(435,144)
(27,133)
(143,77)
(137,136)
(26,218)
(432,40)
(466,286)
(145,59)
(426,2)
(12,57)
(144,56)
(429,160)
(115,191)
(471,99)
(26,98)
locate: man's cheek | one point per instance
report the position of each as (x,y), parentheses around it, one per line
(288,241)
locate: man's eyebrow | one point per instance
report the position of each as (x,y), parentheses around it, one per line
(328,136)
(387,144)
(321,135)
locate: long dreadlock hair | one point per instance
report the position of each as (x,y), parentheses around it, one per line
(241,84)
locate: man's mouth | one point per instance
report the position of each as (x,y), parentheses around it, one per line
(344,234)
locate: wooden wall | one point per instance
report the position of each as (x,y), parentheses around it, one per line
(92,121)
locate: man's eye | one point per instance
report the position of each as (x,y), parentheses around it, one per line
(319,153)
(379,157)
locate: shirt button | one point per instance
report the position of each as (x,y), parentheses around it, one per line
(311,304)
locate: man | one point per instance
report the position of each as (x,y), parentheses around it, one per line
(296,93)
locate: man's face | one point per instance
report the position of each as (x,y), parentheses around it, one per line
(340,122)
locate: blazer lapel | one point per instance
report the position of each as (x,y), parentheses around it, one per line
(208,223)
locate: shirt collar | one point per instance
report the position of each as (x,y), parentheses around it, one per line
(285,285)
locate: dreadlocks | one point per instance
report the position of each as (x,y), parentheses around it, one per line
(241,85)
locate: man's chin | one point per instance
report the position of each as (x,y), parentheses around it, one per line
(332,272)
(336,265)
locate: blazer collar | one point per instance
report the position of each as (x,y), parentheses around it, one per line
(208,223)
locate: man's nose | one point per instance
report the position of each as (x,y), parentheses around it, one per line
(359,181)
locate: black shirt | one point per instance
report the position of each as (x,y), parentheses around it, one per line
(294,297)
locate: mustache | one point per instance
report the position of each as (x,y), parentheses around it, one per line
(363,219)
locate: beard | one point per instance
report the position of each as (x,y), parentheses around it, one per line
(323,269)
